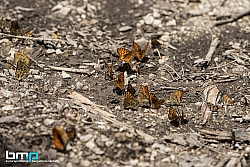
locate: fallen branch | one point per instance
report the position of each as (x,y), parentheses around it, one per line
(210,53)
(212,49)
(234,17)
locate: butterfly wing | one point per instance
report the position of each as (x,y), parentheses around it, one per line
(227,100)
(131,89)
(158,104)
(110,69)
(23,57)
(28,33)
(143,94)
(155,44)
(15,28)
(60,138)
(71,134)
(130,101)
(21,70)
(181,118)
(120,81)
(2,24)
(176,97)
(172,115)
(125,54)
(10,66)
(143,52)
(212,106)
(154,102)
(139,52)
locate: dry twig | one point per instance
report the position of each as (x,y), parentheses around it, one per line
(32,38)
(69,69)
(234,17)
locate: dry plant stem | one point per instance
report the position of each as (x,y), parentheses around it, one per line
(170,74)
(212,49)
(32,38)
(221,65)
(234,17)
(239,159)
(69,69)
(172,69)
(105,115)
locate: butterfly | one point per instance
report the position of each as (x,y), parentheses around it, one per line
(130,101)
(212,106)
(110,69)
(15,28)
(61,138)
(143,94)
(227,100)
(154,102)
(176,97)
(175,116)
(22,56)
(139,52)
(120,81)
(22,67)
(126,55)
(155,44)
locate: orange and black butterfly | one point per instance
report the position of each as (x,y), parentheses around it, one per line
(61,138)
(110,69)
(212,107)
(154,102)
(143,94)
(227,100)
(15,28)
(176,97)
(139,52)
(120,81)
(155,44)
(126,55)
(130,101)
(175,116)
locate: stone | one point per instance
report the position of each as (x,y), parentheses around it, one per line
(65,75)
(171,23)
(48,122)
(125,28)
(149,19)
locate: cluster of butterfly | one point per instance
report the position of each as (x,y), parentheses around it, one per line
(22,64)
(144,96)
